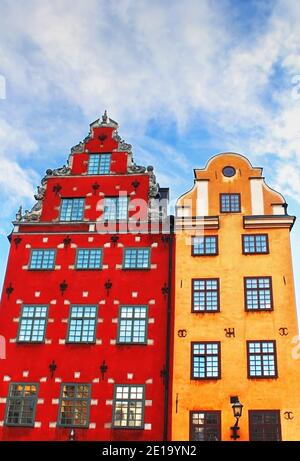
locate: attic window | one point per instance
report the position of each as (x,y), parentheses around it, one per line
(228,171)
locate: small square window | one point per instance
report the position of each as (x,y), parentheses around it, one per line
(42,259)
(136,258)
(255,244)
(115,208)
(72,209)
(206,245)
(230,203)
(89,258)
(99,163)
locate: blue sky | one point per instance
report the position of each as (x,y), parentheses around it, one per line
(185,80)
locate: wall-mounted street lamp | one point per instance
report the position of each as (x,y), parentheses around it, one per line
(237,409)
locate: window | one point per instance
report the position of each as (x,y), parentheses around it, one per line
(115,208)
(82,324)
(128,410)
(133,324)
(205,246)
(136,258)
(206,360)
(42,259)
(72,209)
(32,324)
(99,164)
(74,405)
(264,425)
(262,359)
(205,295)
(228,171)
(255,244)
(205,426)
(89,258)
(21,404)
(258,293)
(230,203)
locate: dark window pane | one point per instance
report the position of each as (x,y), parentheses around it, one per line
(205,426)
(264,425)
(21,405)
(74,405)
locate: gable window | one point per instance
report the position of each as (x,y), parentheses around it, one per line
(206,360)
(21,404)
(205,295)
(206,245)
(115,208)
(264,425)
(136,258)
(258,293)
(32,324)
(262,359)
(74,405)
(71,209)
(82,324)
(42,259)
(132,325)
(230,203)
(89,258)
(255,244)
(128,412)
(205,426)
(99,164)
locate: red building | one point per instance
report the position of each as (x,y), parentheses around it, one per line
(86,302)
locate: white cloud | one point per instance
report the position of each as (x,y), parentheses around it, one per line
(157,61)
(16,182)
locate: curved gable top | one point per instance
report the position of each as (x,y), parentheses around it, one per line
(257,198)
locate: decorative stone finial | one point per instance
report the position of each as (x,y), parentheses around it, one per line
(105,118)
(19,214)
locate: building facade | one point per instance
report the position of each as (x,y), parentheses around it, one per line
(86,302)
(235,338)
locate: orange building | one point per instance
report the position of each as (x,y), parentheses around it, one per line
(235,313)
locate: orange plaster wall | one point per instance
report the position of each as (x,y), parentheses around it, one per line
(231,266)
